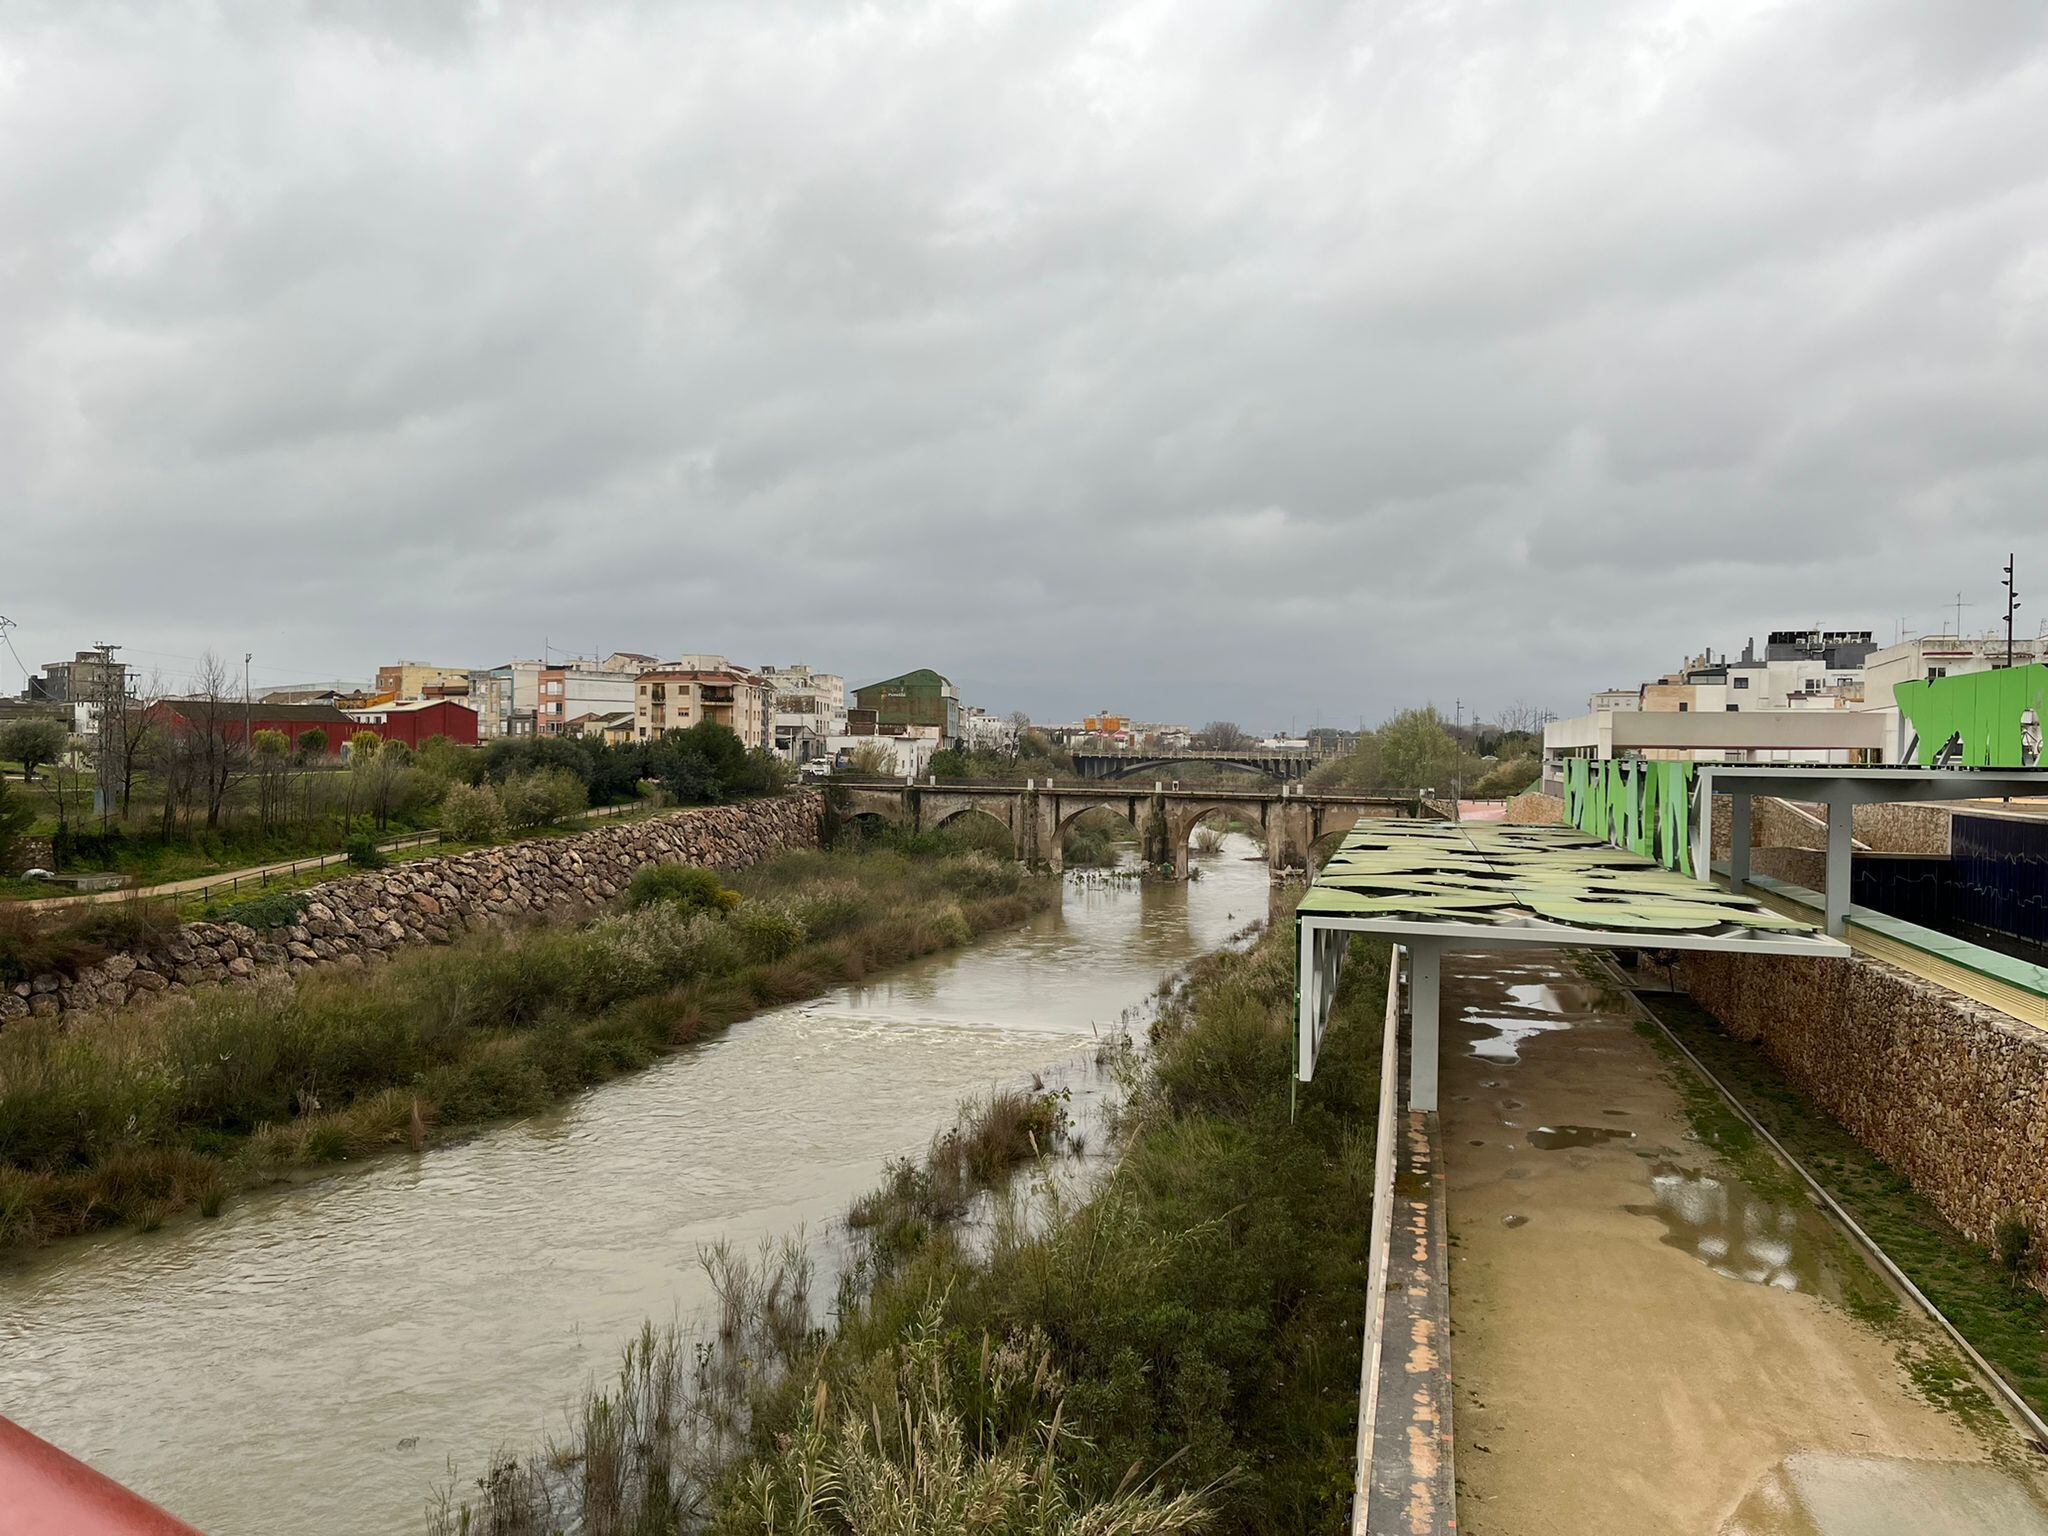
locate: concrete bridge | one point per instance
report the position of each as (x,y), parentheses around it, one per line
(1289,767)
(1296,823)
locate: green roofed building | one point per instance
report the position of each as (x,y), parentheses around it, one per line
(920,698)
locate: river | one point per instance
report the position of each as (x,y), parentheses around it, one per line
(315,1358)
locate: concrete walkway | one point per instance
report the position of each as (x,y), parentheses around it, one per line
(1646,1344)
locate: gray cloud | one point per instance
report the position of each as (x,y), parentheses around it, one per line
(1277,362)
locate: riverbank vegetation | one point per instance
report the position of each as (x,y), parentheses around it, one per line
(1419,750)
(1174,1348)
(1096,839)
(150,1111)
(185,800)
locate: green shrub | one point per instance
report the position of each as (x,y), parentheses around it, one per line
(2019,1249)
(274,909)
(472,814)
(680,885)
(122,924)
(546,797)
(364,853)
(764,931)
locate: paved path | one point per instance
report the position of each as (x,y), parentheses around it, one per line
(255,874)
(1644,1343)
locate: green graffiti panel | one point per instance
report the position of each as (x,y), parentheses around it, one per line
(1993,719)
(1643,806)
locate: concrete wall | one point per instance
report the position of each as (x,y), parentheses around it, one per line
(429,901)
(1952,1094)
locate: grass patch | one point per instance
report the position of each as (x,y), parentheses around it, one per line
(1175,1349)
(2007,1324)
(142,1113)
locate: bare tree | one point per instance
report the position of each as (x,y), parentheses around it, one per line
(1524,719)
(221,715)
(1222,736)
(270,753)
(134,725)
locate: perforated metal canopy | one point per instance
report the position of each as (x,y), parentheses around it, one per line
(1488,883)
(1437,886)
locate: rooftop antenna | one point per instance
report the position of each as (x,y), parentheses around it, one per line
(1960,606)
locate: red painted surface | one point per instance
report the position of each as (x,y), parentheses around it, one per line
(229,720)
(414,723)
(44,1492)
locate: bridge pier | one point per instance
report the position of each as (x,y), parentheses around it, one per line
(1293,819)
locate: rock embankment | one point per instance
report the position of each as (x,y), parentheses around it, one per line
(428,901)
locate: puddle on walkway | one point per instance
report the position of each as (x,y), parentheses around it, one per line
(1534,1008)
(1550,1138)
(1505,1043)
(1815,1494)
(1734,1232)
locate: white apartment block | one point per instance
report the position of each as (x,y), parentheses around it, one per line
(806,709)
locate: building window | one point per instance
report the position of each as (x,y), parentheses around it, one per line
(1734,708)
(1934,672)
(1742,682)
(1683,708)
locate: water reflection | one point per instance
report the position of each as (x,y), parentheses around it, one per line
(1734,1231)
(313,1360)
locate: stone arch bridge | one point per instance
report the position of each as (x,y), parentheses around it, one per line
(1037,813)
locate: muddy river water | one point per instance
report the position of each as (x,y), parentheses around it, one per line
(314,1359)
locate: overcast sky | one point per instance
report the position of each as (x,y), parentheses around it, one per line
(1278,361)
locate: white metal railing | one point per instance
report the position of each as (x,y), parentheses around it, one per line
(1389,1139)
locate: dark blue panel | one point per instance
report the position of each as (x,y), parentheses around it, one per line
(1998,875)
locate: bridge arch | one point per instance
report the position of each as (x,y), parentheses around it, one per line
(1182,820)
(963,816)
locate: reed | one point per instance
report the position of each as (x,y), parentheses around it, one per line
(1173,1349)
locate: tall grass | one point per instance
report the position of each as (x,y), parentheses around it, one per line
(1172,1350)
(143,1113)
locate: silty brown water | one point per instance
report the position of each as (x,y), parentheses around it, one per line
(312,1360)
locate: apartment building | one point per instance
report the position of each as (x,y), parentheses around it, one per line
(566,693)
(419,680)
(506,699)
(806,709)
(678,697)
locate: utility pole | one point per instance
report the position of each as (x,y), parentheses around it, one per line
(1458,764)
(2012,603)
(111,695)
(248,739)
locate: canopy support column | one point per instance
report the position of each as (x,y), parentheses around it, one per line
(1738,841)
(1841,822)
(1424,976)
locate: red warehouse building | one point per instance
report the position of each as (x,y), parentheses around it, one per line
(232,720)
(412,721)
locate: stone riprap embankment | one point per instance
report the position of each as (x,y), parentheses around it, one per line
(1951,1093)
(428,901)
